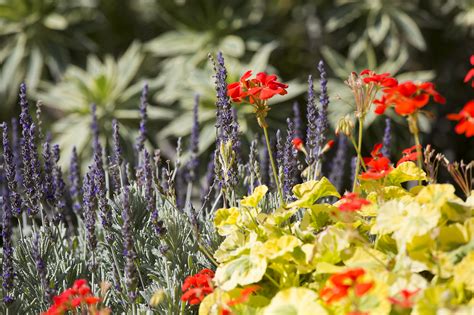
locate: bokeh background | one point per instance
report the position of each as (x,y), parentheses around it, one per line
(74,53)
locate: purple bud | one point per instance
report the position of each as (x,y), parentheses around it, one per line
(40,266)
(59,185)
(115,161)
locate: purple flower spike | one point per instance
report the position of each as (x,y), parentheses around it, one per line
(10,173)
(336,176)
(143,119)
(129,252)
(89,210)
(74,180)
(8,272)
(48,188)
(322,123)
(387,138)
(298,122)
(312,116)
(290,167)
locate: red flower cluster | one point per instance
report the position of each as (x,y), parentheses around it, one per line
(405,300)
(79,295)
(351,202)
(383,79)
(262,87)
(408,97)
(195,288)
(466,120)
(378,166)
(339,284)
(410,154)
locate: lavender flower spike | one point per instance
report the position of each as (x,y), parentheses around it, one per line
(312,116)
(48,188)
(74,180)
(143,118)
(194,145)
(8,272)
(40,266)
(33,163)
(89,210)
(336,176)
(290,171)
(387,138)
(129,252)
(10,173)
(59,185)
(297,120)
(116,158)
(322,121)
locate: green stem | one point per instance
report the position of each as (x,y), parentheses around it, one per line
(359,156)
(275,173)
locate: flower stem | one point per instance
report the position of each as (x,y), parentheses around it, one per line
(274,169)
(359,155)
(413,126)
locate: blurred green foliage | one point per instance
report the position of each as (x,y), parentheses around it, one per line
(63,50)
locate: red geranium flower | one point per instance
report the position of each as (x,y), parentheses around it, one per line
(410,154)
(405,300)
(466,120)
(262,87)
(351,202)
(339,284)
(196,287)
(383,79)
(470,73)
(408,97)
(78,295)
(378,166)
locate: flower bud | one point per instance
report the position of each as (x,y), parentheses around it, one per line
(345,125)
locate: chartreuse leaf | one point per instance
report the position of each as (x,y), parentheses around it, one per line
(214,303)
(294,301)
(464,272)
(255,197)
(246,269)
(309,192)
(405,172)
(318,215)
(226,220)
(436,194)
(452,236)
(405,219)
(234,245)
(368,258)
(331,242)
(277,247)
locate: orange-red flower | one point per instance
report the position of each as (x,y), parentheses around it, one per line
(410,154)
(408,97)
(383,79)
(340,284)
(466,120)
(405,300)
(378,166)
(297,143)
(470,74)
(196,287)
(352,202)
(78,295)
(260,88)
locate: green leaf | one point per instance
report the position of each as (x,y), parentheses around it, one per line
(295,301)
(255,197)
(233,46)
(226,220)
(309,192)
(244,270)
(408,26)
(405,219)
(378,27)
(407,171)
